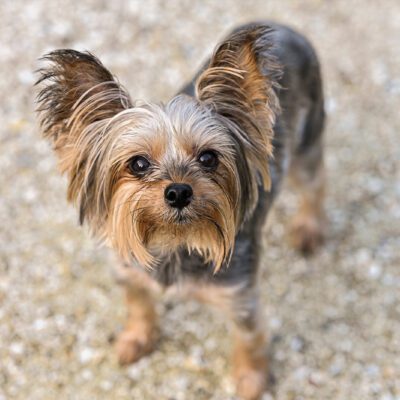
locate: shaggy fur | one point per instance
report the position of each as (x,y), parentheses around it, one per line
(256,111)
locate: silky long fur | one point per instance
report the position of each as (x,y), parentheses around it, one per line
(76,105)
(210,248)
(96,130)
(239,84)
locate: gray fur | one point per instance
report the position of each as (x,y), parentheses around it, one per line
(297,132)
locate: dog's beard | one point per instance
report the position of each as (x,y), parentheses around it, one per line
(143,227)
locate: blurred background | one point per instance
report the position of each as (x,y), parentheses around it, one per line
(334,319)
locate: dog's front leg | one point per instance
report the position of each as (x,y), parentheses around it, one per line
(241,304)
(141,330)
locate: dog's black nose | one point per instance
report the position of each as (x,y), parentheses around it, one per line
(178,195)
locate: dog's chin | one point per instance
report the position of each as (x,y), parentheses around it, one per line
(172,229)
(180,228)
(170,237)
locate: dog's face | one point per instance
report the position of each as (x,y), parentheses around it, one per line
(151,178)
(172,178)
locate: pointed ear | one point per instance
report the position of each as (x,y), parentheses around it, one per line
(78,90)
(239,85)
(78,98)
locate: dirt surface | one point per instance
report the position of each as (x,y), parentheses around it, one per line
(334,320)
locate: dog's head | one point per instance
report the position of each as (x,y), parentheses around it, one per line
(150,178)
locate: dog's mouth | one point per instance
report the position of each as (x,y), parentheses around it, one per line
(179,217)
(182,218)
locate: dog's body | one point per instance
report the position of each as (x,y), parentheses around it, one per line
(253,68)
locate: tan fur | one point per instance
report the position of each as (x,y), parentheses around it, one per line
(121,208)
(141,330)
(213,295)
(235,85)
(99,134)
(136,203)
(96,130)
(308,226)
(250,364)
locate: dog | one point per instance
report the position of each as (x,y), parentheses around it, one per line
(182,190)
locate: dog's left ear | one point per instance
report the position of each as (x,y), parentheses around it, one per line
(239,85)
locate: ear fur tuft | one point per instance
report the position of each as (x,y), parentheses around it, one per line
(78,98)
(239,85)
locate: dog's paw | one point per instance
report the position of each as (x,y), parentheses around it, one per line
(307,234)
(134,343)
(250,384)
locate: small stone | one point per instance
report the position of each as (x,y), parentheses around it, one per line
(267,396)
(106,385)
(374,271)
(87,374)
(297,344)
(86,355)
(387,396)
(372,370)
(389,372)
(17,348)
(316,378)
(363,256)
(336,369)
(275,323)
(40,324)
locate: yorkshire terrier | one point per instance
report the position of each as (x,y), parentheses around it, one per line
(181,190)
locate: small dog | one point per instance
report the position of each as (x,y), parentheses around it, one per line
(181,190)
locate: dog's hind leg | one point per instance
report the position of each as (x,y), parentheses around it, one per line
(308,175)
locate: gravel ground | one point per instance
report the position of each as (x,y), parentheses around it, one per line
(334,319)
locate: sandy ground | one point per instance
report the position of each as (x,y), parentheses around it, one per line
(334,319)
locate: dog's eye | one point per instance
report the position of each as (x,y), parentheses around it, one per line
(208,159)
(138,165)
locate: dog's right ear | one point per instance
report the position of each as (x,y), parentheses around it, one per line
(78,98)
(78,91)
